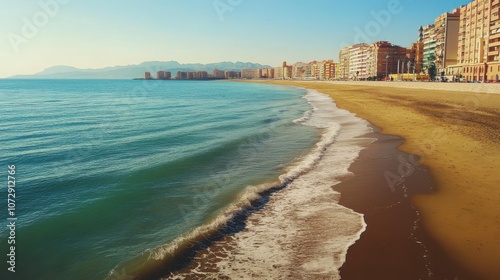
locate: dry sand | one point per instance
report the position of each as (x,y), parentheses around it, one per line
(455,129)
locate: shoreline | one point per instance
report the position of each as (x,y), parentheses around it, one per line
(455,134)
(393,246)
(300,231)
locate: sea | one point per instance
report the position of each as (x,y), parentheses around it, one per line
(127,179)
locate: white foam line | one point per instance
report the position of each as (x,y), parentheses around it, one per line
(303,232)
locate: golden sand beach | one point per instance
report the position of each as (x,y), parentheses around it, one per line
(455,130)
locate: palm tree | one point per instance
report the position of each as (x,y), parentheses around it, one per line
(432,71)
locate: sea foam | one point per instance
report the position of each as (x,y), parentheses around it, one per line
(302,232)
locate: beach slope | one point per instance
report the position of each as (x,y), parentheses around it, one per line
(455,130)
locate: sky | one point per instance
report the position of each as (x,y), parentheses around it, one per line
(37,34)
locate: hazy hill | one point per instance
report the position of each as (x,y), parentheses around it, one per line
(134,71)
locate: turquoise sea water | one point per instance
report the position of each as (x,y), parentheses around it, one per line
(107,170)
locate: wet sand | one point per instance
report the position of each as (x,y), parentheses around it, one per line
(297,231)
(393,246)
(455,134)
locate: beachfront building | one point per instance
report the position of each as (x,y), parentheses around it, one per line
(160,75)
(479,41)
(201,75)
(278,73)
(251,73)
(326,70)
(411,54)
(147,76)
(383,59)
(429,47)
(358,60)
(287,71)
(163,75)
(301,71)
(342,71)
(418,49)
(473,39)
(268,73)
(315,70)
(493,50)
(232,74)
(181,75)
(217,74)
(446,29)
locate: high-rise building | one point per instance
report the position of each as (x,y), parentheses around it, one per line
(251,73)
(181,75)
(315,70)
(163,75)
(201,75)
(147,76)
(232,74)
(419,56)
(358,61)
(479,40)
(287,71)
(342,71)
(493,60)
(429,51)
(446,37)
(268,73)
(327,70)
(300,70)
(383,59)
(278,73)
(217,74)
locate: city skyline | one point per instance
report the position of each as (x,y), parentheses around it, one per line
(46,33)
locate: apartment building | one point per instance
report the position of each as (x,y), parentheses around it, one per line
(251,73)
(268,73)
(278,73)
(479,41)
(493,59)
(326,70)
(383,59)
(163,75)
(429,51)
(342,71)
(181,75)
(232,74)
(358,61)
(446,28)
(418,48)
(301,70)
(217,74)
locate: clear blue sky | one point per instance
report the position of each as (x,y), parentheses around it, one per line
(95,34)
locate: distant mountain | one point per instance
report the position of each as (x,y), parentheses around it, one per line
(134,71)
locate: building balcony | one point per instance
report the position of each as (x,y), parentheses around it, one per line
(493,53)
(494,36)
(494,44)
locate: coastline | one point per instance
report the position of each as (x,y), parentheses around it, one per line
(300,230)
(456,135)
(394,246)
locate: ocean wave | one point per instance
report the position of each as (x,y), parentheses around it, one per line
(301,200)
